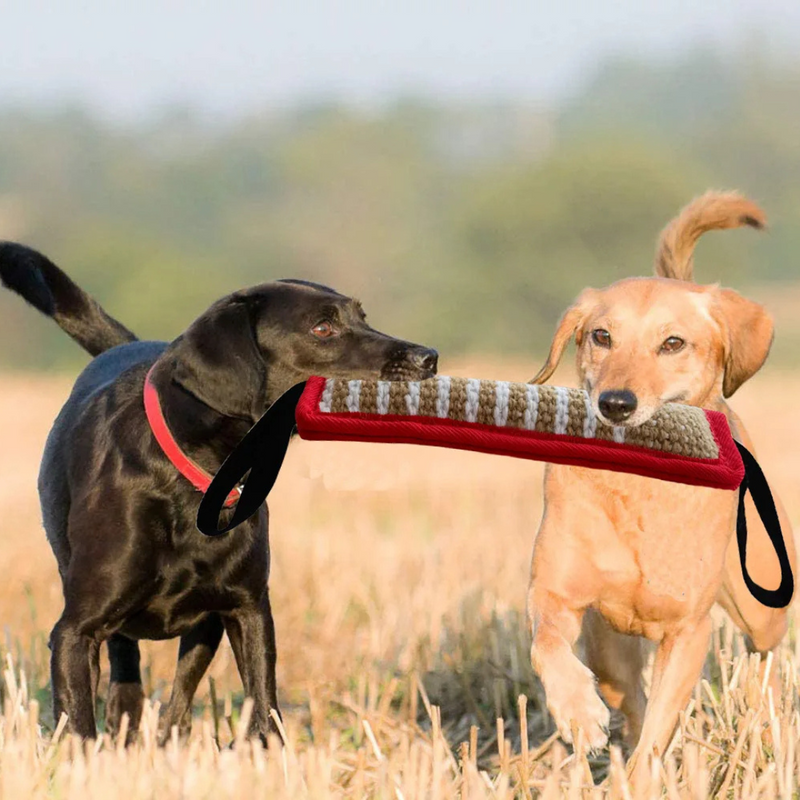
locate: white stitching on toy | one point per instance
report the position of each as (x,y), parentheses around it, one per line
(473,400)
(353,396)
(502,393)
(562,410)
(412,398)
(590,421)
(531,407)
(326,400)
(382,400)
(442,396)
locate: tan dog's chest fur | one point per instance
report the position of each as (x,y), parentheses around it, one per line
(618,557)
(644,578)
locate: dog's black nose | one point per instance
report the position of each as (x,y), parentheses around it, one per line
(617,405)
(425,359)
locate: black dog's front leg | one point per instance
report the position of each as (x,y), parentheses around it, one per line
(251,631)
(71,671)
(197,649)
(125,693)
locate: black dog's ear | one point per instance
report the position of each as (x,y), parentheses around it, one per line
(218,361)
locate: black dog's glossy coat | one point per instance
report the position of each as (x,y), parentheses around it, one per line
(121,519)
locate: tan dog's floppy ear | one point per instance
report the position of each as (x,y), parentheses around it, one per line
(747,330)
(571,323)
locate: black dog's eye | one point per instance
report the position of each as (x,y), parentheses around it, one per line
(601,337)
(672,344)
(323,330)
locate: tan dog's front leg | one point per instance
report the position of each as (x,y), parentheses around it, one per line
(569,686)
(677,667)
(617,661)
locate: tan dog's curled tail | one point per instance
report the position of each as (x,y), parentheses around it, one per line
(711,211)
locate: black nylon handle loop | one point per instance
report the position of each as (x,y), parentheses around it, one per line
(756,483)
(261,451)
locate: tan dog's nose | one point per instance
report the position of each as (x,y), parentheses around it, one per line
(617,405)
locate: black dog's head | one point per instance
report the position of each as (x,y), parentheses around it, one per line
(253,345)
(317,331)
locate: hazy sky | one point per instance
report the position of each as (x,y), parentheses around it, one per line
(126,57)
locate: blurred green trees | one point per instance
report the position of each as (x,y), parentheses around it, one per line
(469,227)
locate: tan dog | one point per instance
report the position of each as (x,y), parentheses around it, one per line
(618,554)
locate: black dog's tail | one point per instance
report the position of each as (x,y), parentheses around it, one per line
(40,282)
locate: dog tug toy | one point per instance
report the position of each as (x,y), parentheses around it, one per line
(679,443)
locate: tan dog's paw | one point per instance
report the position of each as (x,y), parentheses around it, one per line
(583,709)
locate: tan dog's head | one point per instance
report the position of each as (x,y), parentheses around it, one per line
(643,342)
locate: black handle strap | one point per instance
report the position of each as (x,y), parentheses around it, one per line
(756,483)
(261,452)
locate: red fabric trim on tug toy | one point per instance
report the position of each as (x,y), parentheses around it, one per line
(546,423)
(679,443)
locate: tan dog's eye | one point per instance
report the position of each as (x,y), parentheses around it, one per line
(672,344)
(324,330)
(601,337)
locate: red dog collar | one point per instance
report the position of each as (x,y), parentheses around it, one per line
(193,472)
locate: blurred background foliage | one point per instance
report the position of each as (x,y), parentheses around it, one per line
(466,226)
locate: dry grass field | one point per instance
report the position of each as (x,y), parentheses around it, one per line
(398,583)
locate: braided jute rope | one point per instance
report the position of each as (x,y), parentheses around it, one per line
(678,429)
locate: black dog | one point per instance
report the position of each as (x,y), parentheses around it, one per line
(120,517)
